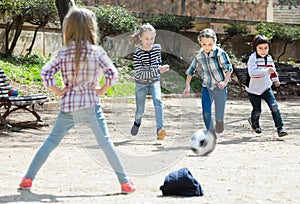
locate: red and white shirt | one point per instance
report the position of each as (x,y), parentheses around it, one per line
(260,78)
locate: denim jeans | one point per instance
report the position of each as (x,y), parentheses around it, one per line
(208,97)
(94,118)
(269,97)
(141,91)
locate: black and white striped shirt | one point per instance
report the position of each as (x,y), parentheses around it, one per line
(146,64)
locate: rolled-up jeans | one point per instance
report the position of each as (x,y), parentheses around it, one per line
(95,119)
(141,91)
(209,96)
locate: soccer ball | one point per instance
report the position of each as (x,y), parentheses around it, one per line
(203,142)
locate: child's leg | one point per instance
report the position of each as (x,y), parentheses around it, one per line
(220,102)
(63,124)
(206,109)
(140,100)
(269,97)
(155,91)
(96,120)
(255,101)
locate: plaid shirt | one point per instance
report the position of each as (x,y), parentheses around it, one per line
(83,94)
(211,66)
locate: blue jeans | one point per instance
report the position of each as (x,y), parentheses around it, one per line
(269,97)
(141,91)
(94,117)
(208,97)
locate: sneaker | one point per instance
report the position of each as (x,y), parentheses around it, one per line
(161,134)
(219,127)
(26,183)
(281,132)
(255,126)
(127,187)
(135,128)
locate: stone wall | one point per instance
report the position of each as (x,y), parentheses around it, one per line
(231,9)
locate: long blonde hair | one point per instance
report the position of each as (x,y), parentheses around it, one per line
(135,37)
(80,26)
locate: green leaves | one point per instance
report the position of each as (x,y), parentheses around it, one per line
(279,31)
(170,22)
(114,20)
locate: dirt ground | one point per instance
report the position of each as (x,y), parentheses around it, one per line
(244,167)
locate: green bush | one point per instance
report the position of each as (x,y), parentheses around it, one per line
(114,20)
(236,29)
(170,22)
(26,70)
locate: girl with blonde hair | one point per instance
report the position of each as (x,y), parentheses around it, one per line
(80,62)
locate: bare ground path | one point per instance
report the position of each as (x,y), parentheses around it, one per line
(244,168)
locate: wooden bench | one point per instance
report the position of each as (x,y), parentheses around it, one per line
(9,104)
(289,78)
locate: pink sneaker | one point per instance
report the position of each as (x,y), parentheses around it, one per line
(127,187)
(26,183)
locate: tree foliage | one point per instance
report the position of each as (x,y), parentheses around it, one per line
(234,29)
(279,32)
(170,22)
(114,20)
(17,12)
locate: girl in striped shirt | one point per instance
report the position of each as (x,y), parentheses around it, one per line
(215,69)
(80,62)
(147,69)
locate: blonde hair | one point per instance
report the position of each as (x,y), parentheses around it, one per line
(80,26)
(135,38)
(207,33)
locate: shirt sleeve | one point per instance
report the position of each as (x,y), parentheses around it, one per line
(225,62)
(49,70)
(192,67)
(109,70)
(274,76)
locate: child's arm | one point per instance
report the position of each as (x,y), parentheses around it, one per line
(254,70)
(224,83)
(103,89)
(142,72)
(187,85)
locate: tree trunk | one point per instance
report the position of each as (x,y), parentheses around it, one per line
(18,26)
(33,40)
(63,7)
(8,28)
(283,52)
(182,12)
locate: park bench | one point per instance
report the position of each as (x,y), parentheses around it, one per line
(289,78)
(9,104)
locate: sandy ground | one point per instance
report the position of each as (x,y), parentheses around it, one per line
(244,168)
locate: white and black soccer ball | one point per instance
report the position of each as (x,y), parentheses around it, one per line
(203,142)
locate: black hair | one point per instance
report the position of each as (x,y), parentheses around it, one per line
(260,39)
